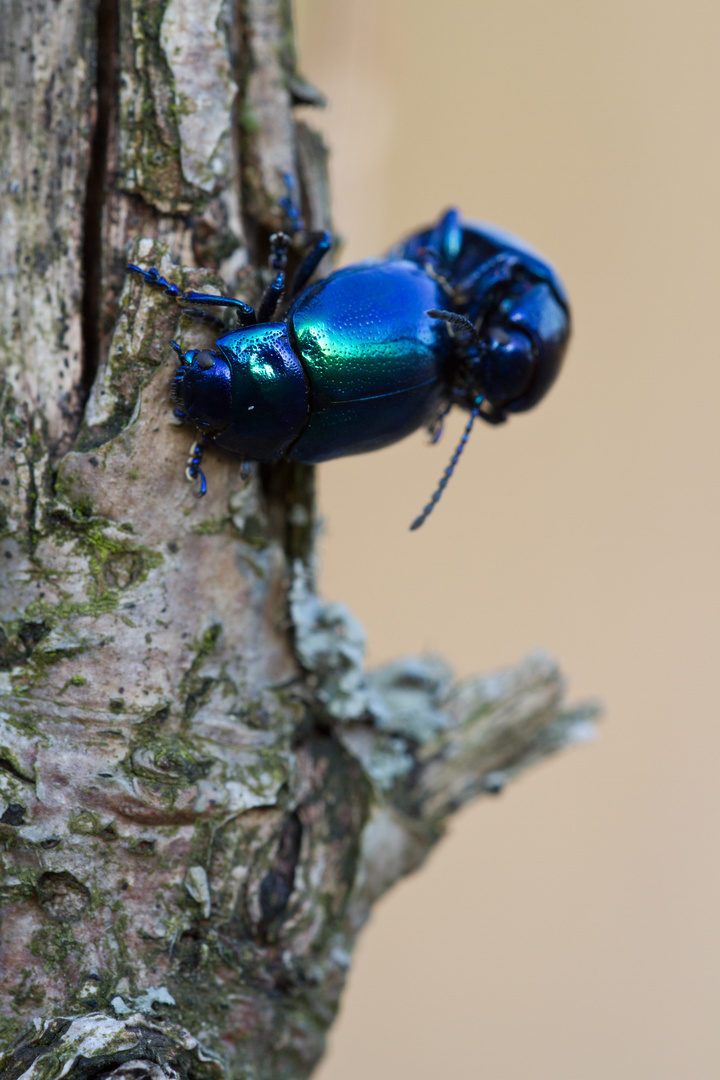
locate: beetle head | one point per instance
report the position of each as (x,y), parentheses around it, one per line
(503,372)
(519,350)
(201,388)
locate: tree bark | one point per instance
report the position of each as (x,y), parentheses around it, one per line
(202,792)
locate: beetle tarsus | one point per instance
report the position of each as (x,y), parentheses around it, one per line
(279,245)
(192,469)
(153,277)
(289,204)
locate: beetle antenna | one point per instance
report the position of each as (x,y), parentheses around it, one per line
(455,322)
(450,469)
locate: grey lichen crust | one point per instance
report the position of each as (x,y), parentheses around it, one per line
(202,790)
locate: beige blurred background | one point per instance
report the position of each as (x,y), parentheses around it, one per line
(569,929)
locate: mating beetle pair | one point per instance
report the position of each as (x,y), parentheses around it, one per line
(457,314)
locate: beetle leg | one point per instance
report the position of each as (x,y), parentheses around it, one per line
(153,277)
(321,244)
(279,244)
(193,470)
(437,424)
(246,315)
(271,298)
(290,206)
(501,267)
(185,358)
(205,316)
(431,263)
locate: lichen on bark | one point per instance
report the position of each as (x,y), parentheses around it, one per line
(202,791)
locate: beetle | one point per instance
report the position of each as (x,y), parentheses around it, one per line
(458,313)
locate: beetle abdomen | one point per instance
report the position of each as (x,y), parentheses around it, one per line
(374,360)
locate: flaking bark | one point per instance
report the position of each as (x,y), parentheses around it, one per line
(202,792)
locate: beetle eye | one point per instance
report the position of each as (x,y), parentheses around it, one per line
(204,359)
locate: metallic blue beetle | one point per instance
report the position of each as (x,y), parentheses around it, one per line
(458,314)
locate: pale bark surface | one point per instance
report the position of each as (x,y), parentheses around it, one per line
(201,791)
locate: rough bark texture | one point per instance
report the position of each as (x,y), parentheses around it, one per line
(201,791)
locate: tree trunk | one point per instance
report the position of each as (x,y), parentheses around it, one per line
(201,790)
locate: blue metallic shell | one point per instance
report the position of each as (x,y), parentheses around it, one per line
(545,322)
(269,392)
(476,244)
(374,359)
(459,313)
(477,259)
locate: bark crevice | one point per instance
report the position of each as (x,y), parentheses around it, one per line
(106,64)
